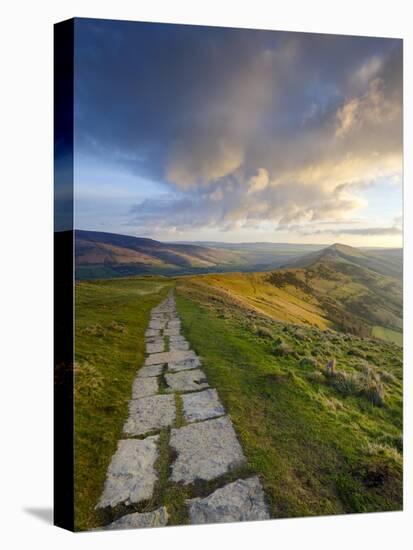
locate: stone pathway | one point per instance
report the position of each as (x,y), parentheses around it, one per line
(205,444)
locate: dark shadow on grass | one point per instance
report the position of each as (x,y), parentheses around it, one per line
(44,514)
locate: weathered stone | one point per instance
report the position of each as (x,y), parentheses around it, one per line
(169,356)
(173,331)
(155,347)
(153,370)
(188,380)
(148,414)
(157,325)
(152,333)
(131,474)
(187,364)
(205,450)
(174,323)
(242,500)
(180,345)
(178,338)
(142,387)
(202,405)
(157,518)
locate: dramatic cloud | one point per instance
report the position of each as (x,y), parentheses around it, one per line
(240,128)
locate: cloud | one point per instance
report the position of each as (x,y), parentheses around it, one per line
(242,128)
(365,231)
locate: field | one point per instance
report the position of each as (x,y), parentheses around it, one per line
(111,317)
(388,335)
(320,444)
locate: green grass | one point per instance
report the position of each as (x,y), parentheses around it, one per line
(388,335)
(316,450)
(111,317)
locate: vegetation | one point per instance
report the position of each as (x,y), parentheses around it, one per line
(323,441)
(111,317)
(338,295)
(321,445)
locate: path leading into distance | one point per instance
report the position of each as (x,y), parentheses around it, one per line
(171,391)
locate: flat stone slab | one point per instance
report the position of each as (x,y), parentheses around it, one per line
(155,347)
(153,370)
(150,333)
(157,518)
(169,356)
(205,450)
(174,323)
(157,325)
(173,331)
(180,345)
(131,475)
(242,500)
(148,414)
(202,405)
(188,380)
(178,338)
(142,387)
(184,365)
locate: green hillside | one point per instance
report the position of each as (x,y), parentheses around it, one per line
(111,318)
(330,292)
(322,444)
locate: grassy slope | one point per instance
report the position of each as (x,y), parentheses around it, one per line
(111,317)
(316,451)
(252,290)
(328,294)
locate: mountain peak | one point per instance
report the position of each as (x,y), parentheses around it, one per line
(345,249)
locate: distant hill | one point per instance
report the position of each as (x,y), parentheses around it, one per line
(105,255)
(101,254)
(328,289)
(383,261)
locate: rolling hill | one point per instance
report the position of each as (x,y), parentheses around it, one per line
(100,255)
(106,255)
(385,262)
(327,289)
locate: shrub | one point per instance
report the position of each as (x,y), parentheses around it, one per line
(264,332)
(308,362)
(94,330)
(366,384)
(384,451)
(388,377)
(356,353)
(282,349)
(315,376)
(344,383)
(88,379)
(118,327)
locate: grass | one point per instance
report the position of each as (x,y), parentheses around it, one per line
(318,448)
(388,335)
(111,317)
(335,295)
(310,444)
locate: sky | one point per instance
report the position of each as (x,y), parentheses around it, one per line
(189,133)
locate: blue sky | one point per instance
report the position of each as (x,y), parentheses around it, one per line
(200,133)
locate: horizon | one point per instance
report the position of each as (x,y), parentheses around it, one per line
(322,245)
(187,133)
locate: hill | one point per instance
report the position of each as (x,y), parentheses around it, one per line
(386,262)
(331,290)
(321,444)
(106,255)
(100,255)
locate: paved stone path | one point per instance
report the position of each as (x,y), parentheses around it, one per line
(205,443)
